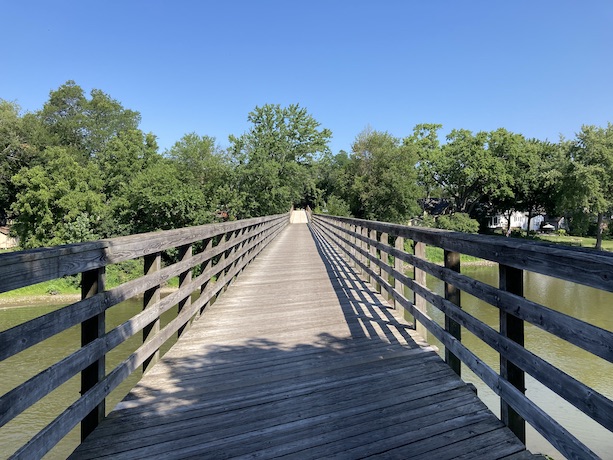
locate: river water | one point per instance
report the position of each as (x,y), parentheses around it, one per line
(585,303)
(19,368)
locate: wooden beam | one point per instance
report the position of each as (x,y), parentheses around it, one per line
(92,282)
(512,280)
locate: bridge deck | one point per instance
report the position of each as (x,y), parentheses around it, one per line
(300,359)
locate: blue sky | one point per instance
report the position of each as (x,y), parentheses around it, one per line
(540,68)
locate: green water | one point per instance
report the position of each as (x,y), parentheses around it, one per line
(587,304)
(28,363)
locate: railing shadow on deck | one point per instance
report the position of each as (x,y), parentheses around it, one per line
(377,249)
(224,250)
(361,306)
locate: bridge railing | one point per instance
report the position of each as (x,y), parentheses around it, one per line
(224,250)
(378,251)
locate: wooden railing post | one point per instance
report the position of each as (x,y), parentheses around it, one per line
(92,282)
(452,293)
(372,234)
(185,252)
(398,265)
(364,232)
(385,258)
(153,263)
(512,280)
(419,276)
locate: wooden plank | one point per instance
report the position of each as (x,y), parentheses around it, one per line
(24,268)
(286,371)
(92,283)
(592,268)
(512,327)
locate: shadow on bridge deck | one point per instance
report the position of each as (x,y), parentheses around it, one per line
(300,358)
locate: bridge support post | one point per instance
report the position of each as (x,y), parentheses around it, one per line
(419,276)
(452,293)
(185,252)
(92,282)
(512,280)
(372,235)
(385,259)
(153,263)
(365,248)
(398,264)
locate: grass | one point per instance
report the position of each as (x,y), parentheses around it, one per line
(70,285)
(437,255)
(578,241)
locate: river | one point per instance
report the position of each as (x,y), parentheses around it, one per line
(19,368)
(585,303)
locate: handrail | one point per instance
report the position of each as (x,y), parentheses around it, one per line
(370,244)
(227,248)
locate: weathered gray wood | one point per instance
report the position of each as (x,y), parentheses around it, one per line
(153,263)
(399,246)
(452,294)
(24,268)
(273,373)
(584,266)
(512,327)
(580,395)
(185,253)
(97,343)
(92,283)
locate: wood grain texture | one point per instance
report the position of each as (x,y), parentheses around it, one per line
(299,358)
(584,398)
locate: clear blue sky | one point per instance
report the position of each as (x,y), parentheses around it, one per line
(540,68)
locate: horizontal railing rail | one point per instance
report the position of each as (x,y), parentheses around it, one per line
(225,249)
(378,250)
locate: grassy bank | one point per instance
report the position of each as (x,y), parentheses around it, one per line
(69,287)
(577,241)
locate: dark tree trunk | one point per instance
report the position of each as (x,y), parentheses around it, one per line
(599,232)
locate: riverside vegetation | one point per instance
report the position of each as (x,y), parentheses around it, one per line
(80,169)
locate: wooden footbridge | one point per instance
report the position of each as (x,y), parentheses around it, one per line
(306,354)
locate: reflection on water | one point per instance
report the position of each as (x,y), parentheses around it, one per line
(587,304)
(28,363)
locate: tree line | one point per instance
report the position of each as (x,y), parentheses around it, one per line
(80,168)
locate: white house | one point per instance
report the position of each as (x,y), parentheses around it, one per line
(6,241)
(519,220)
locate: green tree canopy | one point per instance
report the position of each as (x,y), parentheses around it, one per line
(383,178)
(589,178)
(59,201)
(274,159)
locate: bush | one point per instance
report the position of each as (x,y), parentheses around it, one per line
(336,206)
(458,222)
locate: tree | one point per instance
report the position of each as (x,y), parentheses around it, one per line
(59,201)
(205,165)
(158,198)
(15,153)
(383,178)
(274,159)
(589,184)
(84,125)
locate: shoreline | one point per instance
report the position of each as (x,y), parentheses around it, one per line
(49,299)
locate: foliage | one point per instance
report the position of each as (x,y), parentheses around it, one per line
(458,222)
(274,159)
(336,206)
(57,202)
(589,175)
(80,169)
(380,178)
